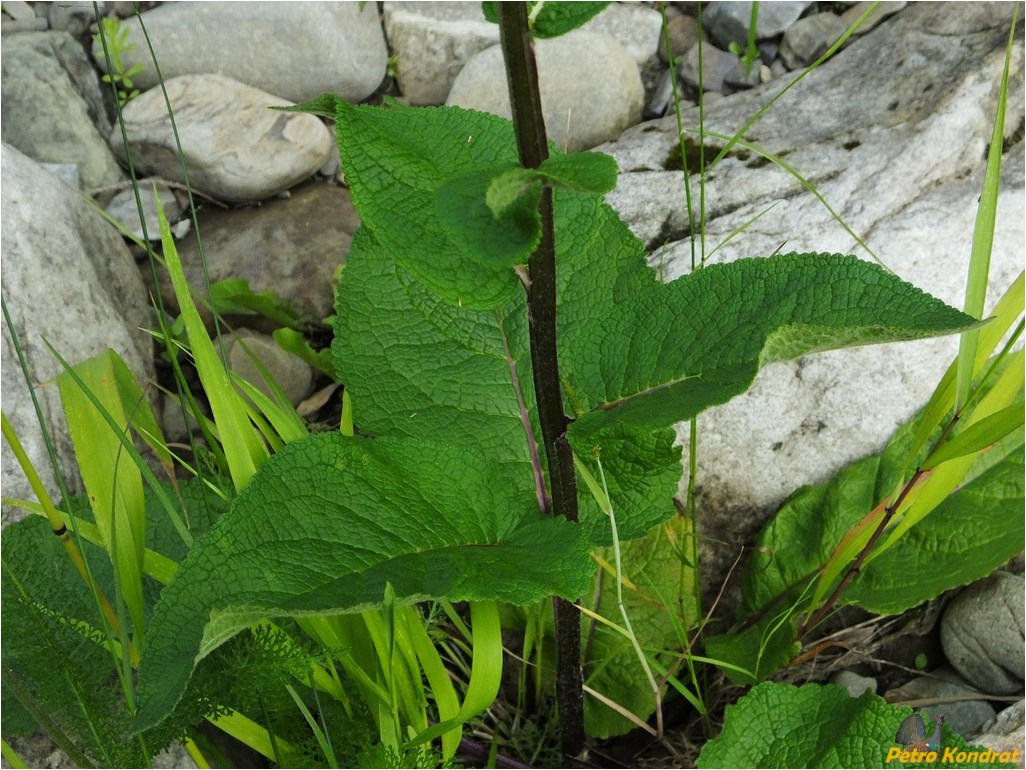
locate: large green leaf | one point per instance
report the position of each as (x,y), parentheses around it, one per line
(651,354)
(419,367)
(969,535)
(777,725)
(330,521)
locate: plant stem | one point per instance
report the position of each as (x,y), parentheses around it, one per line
(529,125)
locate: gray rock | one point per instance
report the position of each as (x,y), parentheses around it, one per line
(236,148)
(603,97)
(982,632)
(683,36)
(251,354)
(69,279)
(903,169)
(881,11)
(742,77)
(965,717)
(636,26)
(853,683)
(297,51)
(1006,731)
(73,16)
(809,38)
(274,248)
(123,208)
(52,105)
(432,41)
(716,66)
(727,22)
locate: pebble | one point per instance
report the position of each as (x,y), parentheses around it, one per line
(965,717)
(636,26)
(296,51)
(237,149)
(289,372)
(809,38)
(716,66)
(603,98)
(683,36)
(854,683)
(123,208)
(728,22)
(432,41)
(275,248)
(982,632)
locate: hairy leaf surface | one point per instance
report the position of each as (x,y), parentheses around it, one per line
(778,725)
(332,521)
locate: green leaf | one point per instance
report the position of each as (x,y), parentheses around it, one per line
(395,160)
(295,343)
(553,18)
(978,436)
(419,367)
(758,651)
(488,237)
(233,295)
(777,725)
(966,537)
(612,667)
(676,349)
(330,521)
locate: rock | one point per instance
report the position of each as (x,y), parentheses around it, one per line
(275,248)
(881,11)
(853,683)
(432,41)
(965,717)
(52,105)
(236,148)
(716,65)
(123,208)
(982,632)
(287,371)
(683,36)
(74,17)
(741,77)
(898,151)
(634,25)
(809,38)
(1006,732)
(602,98)
(727,22)
(68,278)
(297,51)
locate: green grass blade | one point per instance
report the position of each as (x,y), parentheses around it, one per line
(983,236)
(242,445)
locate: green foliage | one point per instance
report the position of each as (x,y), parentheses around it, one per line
(116,36)
(551,19)
(778,725)
(431,341)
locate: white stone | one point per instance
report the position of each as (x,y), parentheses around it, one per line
(432,41)
(236,148)
(297,51)
(590,88)
(69,279)
(637,27)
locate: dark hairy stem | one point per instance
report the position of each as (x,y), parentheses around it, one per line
(529,125)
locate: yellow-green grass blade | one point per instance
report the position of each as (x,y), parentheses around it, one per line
(1008,309)
(243,448)
(485,670)
(113,484)
(983,235)
(444,693)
